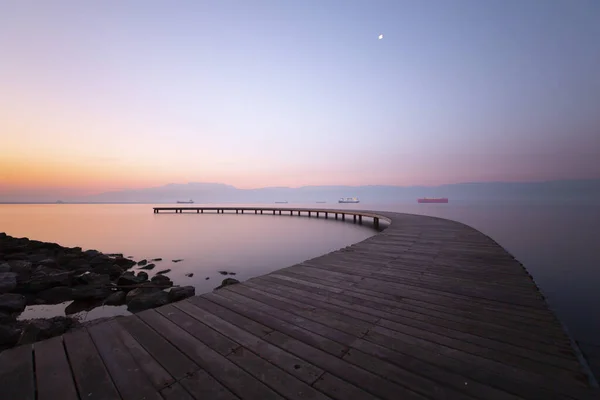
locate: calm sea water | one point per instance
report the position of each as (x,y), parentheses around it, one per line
(559,245)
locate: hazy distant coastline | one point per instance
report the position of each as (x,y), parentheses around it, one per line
(551,192)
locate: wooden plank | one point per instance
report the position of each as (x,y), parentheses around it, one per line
(300,322)
(267,319)
(368,381)
(175,392)
(246,324)
(91,376)
(223,370)
(52,371)
(340,389)
(155,373)
(282,382)
(287,362)
(16,373)
(203,386)
(172,360)
(213,339)
(341,322)
(414,320)
(129,379)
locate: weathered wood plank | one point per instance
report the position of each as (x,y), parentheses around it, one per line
(155,373)
(203,386)
(175,392)
(223,370)
(170,358)
(130,380)
(287,362)
(300,333)
(52,371)
(16,373)
(91,376)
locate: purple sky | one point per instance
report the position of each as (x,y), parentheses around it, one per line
(113,94)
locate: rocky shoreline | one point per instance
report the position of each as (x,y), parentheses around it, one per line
(36,273)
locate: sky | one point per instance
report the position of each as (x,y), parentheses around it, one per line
(109,95)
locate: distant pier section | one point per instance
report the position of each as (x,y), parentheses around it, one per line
(356,215)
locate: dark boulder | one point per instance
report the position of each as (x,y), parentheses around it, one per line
(162,281)
(156,259)
(129,279)
(90,292)
(178,260)
(143,262)
(189,275)
(40,329)
(94,279)
(91,253)
(20,267)
(8,281)
(223,272)
(164,271)
(4,267)
(12,302)
(148,266)
(44,278)
(78,264)
(109,268)
(78,306)
(227,282)
(144,301)
(181,292)
(48,262)
(124,262)
(116,298)
(142,275)
(9,335)
(115,255)
(56,295)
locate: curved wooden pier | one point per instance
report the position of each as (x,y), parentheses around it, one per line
(426,309)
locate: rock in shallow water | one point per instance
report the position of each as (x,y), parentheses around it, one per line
(227,282)
(148,266)
(8,281)
(40,329)
(164,271)
(4,267)
(145,301)
(12,302)
(9,335)
(116,299)
(162,281)
(143,262)
(56,295)
(181,292)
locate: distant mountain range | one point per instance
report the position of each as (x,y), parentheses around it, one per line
(586,191)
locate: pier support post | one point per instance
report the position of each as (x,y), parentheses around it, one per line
(197,211)
(298,213)
(261,211)
(360,219)
(376,223)
(236,211)
(242,211)
(255,211)
(317,214)
(309,213)
(201,211)
(273,212)
(279,212)
(326,215)
(336,215)
(343,217)
(354,217)
(291,212)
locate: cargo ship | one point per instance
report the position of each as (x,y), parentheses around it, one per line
(433,200)
(348,200)
(185,202)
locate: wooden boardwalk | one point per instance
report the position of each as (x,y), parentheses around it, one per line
(426,309)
